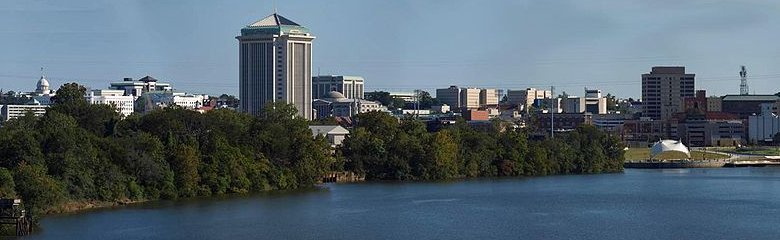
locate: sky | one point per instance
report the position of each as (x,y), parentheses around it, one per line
(400,45)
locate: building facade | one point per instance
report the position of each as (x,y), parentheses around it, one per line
(526,97)
(123,104)
(469,98)
(762,128)
(488,97)
(746,105)
(275,62)
(14,111)
(335,104)
(136,88)
(663,90)
(449,96)
(350,86)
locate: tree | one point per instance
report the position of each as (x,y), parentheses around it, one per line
(379,96)
(70,93)
(7,184)
(426,101)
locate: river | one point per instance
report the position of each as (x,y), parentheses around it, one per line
(724,203)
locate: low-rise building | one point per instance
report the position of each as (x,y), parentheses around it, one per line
(334,133)
(746,105)
(563,121)
(476,115)
(335,104)
(707,129)
(12,111)
(136,88)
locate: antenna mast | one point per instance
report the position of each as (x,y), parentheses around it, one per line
(552,111)
(743,86)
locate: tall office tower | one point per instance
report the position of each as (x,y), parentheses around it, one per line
(469,98)
(275,65)
(449,96)
(663,90)
(350,86)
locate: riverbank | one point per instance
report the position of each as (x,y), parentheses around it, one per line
(631,205)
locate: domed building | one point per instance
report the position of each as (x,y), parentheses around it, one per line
(42,87)
(335,104)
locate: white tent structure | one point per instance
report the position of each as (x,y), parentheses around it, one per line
(668,146)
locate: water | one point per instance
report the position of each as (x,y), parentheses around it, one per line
(721,203)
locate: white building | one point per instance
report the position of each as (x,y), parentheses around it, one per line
(116,98)
(350,86)
(136,88)
(156,100)
(275,61)
(14,111)
(334,133)
(762,128)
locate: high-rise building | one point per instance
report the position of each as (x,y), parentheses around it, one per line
(663,90)
(594,102)
(488,97)
(449,96)
(527,96)
(350,86)
(469,98)
(275,62)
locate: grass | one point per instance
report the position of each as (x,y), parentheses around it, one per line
(644,153)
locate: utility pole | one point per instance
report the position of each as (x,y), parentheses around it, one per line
(552,112)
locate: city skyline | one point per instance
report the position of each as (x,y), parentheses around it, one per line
(605,45)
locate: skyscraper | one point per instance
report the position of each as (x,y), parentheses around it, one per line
(275,65)
(663,91)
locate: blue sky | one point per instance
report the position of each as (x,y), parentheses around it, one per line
(400,45)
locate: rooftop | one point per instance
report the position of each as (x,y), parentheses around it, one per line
(767,98)
(274,24)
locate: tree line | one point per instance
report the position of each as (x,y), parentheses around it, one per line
(381,147)
(79,152)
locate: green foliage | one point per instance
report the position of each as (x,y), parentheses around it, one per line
(7,184)
(81,152)
(382,148)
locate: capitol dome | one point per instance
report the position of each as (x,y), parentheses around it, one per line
(43,86)
(334,95)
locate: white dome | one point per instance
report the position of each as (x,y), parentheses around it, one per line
(43,82)
(334,95)
(668,146)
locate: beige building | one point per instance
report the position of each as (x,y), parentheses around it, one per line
(527,96)
(714,104)
(663,90)
(275,62)
(469,98)
(488,97)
